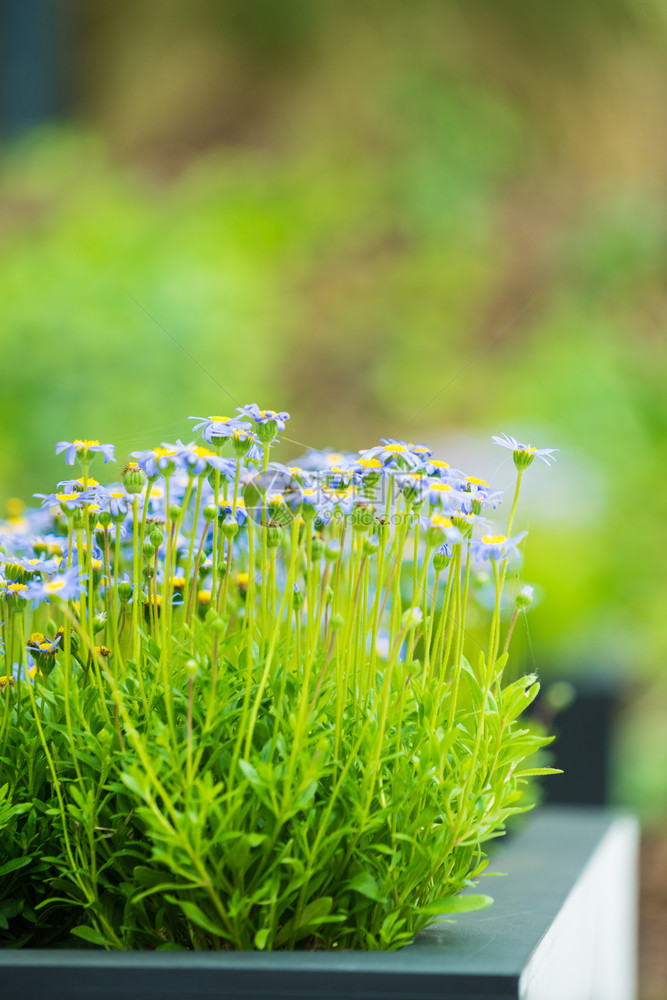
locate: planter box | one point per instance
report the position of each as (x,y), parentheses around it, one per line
(562,928)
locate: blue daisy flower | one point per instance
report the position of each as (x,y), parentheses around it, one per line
(238,512)
(157,461)
(318,460)
(43,564)
(496,547)
(85,451)
(115,501)
(444,495)
(392,452)
(67,501)
(262,417)
(524,453)
(199,461)
(217,429)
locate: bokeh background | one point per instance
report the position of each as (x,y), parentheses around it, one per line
(434,220)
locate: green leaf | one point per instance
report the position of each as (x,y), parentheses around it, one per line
(197,917)
(314,914)
(14,864)
(89,934)
(534,771)
(261,938)
(457,904)
(365,885)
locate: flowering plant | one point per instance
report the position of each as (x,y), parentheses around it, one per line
(240,707)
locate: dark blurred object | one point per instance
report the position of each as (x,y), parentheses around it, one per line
(32,63)
(585,730)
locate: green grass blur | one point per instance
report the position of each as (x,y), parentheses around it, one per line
(372,217)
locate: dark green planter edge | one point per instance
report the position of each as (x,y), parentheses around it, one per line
(492,953)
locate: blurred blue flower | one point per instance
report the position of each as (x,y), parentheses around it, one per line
(67,586)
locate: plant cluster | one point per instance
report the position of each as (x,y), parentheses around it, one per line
(240,707)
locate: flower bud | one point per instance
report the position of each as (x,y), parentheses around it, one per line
(382,530)
(412,618)
(156,538)
(317,547)
(174,512)
(524,598)
(332,550)
(336,621)
(274,534)
(362,516)
(148,549)
(78,519)
(104,518)
(298,598)
(209,512)
(191,668)
(133,478)
(371,545)
(99,622)
(125,590)
(218,625)
(229,527)
(441,558)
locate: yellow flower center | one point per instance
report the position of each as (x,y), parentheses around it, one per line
(475,481)
(395,447)
(439,464)
(220,420)
(494,539)
(370,463)
(164,452)
(84,444)
(442,487)
(53,586)
(438,521)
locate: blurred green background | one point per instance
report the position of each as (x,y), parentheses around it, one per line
(434,220)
